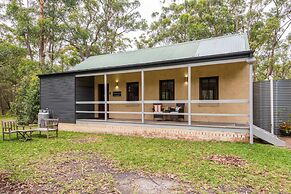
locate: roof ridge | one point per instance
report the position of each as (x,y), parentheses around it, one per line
(220,37)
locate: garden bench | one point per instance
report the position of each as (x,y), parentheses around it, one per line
(48,125)
(10,127)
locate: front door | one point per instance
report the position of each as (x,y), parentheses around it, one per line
(101,107)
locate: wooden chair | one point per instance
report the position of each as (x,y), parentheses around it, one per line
(10,127)
(49,125)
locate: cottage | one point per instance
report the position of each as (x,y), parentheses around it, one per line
(195,90)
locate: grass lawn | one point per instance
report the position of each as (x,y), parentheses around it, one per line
(264,168)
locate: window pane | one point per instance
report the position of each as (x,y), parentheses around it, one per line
(204,95)
(132,91)
(209,88)
(210,97)
(167,89)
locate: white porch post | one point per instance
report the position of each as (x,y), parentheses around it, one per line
(272,103)
(251,103)
(142,96)
(189,95)
(105,96)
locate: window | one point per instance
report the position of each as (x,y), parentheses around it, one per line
(132,91)
(167,89)
(209,88)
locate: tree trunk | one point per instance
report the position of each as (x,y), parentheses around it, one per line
(1,104)
(42,38)
(28,47)
(271,57)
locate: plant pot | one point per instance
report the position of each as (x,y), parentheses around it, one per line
(285,133)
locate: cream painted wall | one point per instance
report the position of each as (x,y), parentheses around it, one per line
(233,84)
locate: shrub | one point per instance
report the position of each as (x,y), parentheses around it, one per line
(285,127)
(26,104)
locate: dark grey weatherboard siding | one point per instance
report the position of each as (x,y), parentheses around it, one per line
(57,93)
(85,92)
(262,111)
(282,103)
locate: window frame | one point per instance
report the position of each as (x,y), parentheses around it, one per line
(217,87)
(160,88)
(127,91)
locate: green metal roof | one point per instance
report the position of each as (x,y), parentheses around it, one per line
(198,48)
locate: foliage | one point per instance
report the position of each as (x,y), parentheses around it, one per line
(52,36)
(11,58)
(19,83)
(285,127)
(70,31)
(26,104)
(184,160)
(97,27)
(193,20)
(266,23)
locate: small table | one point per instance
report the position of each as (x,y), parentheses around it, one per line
(26,134)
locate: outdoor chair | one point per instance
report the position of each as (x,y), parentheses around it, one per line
(157,108)
(181,110)
(49,125)
(10,127)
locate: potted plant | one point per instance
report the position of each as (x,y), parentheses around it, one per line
(285,128)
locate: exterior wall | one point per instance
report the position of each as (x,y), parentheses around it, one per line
(58,95)
(122,80)
(262,108)
(282,104)
(233,84)
(85,92)
(158,132)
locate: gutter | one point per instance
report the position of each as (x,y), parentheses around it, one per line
(235,55)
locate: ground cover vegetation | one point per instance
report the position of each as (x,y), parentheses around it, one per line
(91,163)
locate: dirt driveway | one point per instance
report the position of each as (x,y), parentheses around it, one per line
(85,172)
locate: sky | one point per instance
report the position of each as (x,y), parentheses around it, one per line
(146,9)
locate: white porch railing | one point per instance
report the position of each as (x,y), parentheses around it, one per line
(187,102)
(189,113)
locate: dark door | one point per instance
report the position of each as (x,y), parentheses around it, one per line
(101,107)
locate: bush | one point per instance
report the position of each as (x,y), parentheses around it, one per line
(285,127)
(26,104)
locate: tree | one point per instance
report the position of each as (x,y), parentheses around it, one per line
(53,36)
(90,27)
(271,39)
(98,27)
(26,104)
(265,21)
(21,25)
(11,58)
(194,20)
(42,29)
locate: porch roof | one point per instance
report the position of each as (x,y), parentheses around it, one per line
(233,43)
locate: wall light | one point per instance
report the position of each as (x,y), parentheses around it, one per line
(116,84)
(186,79)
